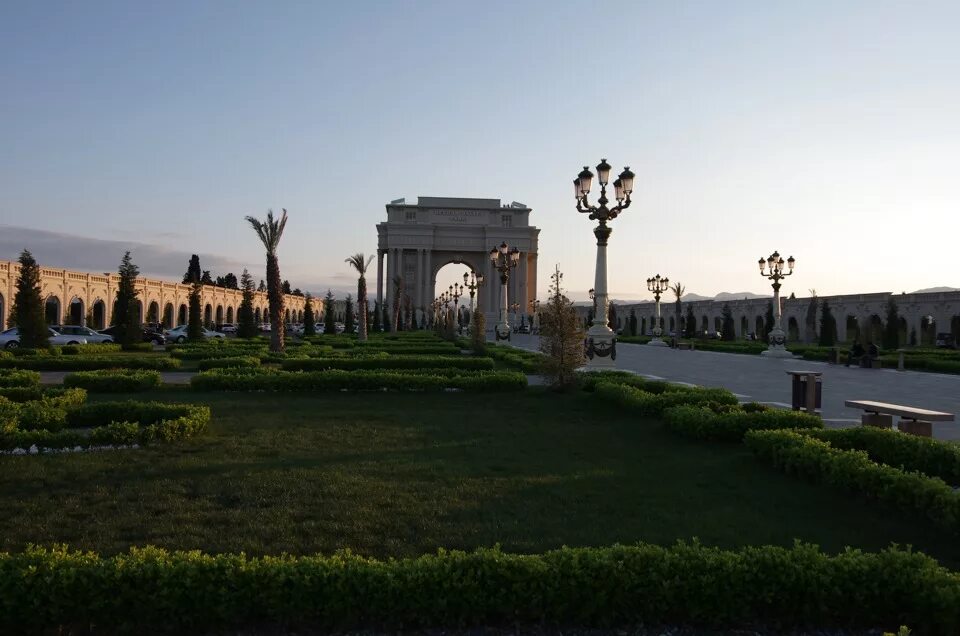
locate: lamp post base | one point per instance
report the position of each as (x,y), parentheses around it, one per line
(502,332)
(601,349)
(657,342)
(777,352)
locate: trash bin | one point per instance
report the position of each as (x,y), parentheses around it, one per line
(806,391)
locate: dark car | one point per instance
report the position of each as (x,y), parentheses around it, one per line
(148,334)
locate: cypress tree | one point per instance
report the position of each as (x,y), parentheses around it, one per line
(828,325)
(633,322)
(309,321)
(612,317)
(348,315)
(28,305)
(194,318)
(729,331)
(246,327)
(386,317)
(891,330)
(193,270)
(125,313)
(768,321)
(329,320)
(561,338)
(690,324)
(810,322)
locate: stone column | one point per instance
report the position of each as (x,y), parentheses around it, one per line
(380,277)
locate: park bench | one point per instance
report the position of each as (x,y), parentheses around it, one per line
(912,420)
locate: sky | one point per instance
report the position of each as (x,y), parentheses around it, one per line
(824,130)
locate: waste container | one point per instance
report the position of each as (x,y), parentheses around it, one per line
(806,391)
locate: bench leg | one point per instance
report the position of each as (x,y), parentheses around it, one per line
(916,427)
(877,419)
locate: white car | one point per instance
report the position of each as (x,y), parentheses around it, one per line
(180,334)
(84,332)
(228,328)
(10,339)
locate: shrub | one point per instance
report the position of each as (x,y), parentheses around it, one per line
(526,361)
(42,414)
(212,353)
(389,362)
(150,589)
(89,363)
(92,349)
(13,377)
(101,413)
(732,422)
(9,415)
(909,452)
(361,380)
(649,404)
(228,363)
(853,470)
(114,380)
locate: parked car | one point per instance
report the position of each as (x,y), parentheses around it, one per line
(339,327)
(228,328)
(945,341)
(264,327)
(146,335)
(179,334)
(295,330)
(89,334)
(10,339)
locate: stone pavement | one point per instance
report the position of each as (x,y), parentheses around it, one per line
(765,380)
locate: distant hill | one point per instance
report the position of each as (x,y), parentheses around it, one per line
(737,295)
(934,290)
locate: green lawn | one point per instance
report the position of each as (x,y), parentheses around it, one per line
(401,474)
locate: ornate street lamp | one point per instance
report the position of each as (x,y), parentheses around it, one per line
(776,269)
(601,339)
(456,290)
(472,282)
(535,306)
(658,285)
(515,310)
(504,258)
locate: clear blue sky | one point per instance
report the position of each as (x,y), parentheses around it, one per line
(825,130)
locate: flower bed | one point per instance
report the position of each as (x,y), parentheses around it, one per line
(151,589)
(89,363)
(815,459)
(357,380)
(114,380)
(387,361)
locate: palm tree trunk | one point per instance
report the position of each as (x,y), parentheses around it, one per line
(275,298)
(362,299)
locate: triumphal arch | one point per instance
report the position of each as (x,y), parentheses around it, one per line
(418,239)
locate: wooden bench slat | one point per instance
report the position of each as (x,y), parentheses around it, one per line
(908,412)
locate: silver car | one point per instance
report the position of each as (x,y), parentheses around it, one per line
(10,339)
(179,334)
(84,332)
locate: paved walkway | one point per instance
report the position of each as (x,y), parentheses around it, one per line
(765,380)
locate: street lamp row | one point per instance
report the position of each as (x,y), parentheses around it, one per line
(504,258)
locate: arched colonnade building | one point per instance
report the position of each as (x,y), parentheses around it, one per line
(82,298)
(857,316)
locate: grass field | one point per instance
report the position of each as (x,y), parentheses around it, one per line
(401,474)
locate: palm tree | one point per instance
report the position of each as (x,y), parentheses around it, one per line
(360,263)
(270,232)
(677,290)
(397,293)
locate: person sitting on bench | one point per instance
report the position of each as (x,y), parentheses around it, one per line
(855,353)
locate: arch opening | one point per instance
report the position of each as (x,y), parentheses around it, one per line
(51,310)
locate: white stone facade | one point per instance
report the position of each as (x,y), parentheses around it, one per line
(417,240)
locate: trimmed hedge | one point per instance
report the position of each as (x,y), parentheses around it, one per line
(732,424)
(100,413)
(89,363)
(114,380)
(92,349)
(387,361)
(358,380)
(154,590)
(526,361)
(648,404)
(17,378)
(49,412)
(853,470)
(228,363)
(213,353)
(30,393)
(909,452)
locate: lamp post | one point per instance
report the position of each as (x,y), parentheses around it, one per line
(773,268)
(601,340)
(515,310)
(472,283)
(504,258)
(456,290)
(658,285)
(535,306)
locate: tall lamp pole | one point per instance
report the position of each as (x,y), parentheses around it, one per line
(601,339)
(504,258)
(658,285)
(535,305)
(773,268)
(472,282)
